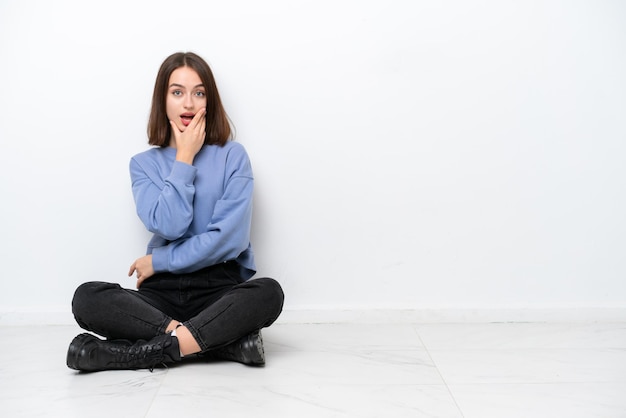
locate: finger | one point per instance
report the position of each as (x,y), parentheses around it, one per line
(203,125)
(201,128)
(197,118)
(200,114)
(131,270)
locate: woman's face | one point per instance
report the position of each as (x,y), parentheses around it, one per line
(186,95)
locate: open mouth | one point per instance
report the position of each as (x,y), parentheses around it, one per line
(186,118)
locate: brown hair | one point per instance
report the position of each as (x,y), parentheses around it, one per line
(217,123)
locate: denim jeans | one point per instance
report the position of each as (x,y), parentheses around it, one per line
(214,303)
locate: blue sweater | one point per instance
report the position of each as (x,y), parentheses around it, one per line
(200,215)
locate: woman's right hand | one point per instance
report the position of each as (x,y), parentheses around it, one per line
(190,141)
(143,267)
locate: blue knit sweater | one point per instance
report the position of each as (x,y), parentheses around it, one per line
(200,215)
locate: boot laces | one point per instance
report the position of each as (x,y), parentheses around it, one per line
(147,354)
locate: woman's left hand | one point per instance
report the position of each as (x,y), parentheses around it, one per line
(143,267)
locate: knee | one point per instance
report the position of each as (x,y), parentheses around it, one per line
(87,295)
(273,294)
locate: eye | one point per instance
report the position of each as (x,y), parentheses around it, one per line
(200,94)
(177,92)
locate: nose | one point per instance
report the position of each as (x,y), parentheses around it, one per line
(188,102)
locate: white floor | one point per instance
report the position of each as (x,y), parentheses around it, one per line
(486,370)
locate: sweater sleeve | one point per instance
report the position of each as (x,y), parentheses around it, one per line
(165,206)
(227,234)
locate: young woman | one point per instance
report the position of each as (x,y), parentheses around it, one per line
(193,191)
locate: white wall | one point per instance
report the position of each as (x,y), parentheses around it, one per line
(454,154)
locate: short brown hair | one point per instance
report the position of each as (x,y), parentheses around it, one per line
(218,129)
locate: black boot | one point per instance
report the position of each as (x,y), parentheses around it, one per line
(247,350)
(89,353)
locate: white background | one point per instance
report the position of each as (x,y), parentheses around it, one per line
(449,154)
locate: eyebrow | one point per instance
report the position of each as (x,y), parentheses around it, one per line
(180,85)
